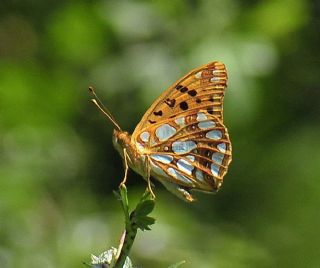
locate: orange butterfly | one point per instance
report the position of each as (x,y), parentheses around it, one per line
(181,140)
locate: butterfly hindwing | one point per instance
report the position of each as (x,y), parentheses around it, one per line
(192,150)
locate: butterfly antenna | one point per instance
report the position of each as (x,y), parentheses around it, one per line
(103,109)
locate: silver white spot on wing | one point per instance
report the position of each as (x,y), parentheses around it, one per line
(217,157)
(163,158)
(165,131)
(176,174)
(206,124)
(215,170)
(182,147)
(215,79)
(180,121)
(140,147)
(185,166)
(214,134)
(144,136)
(198,75)
(191,157)
(201,117)
(222,147)
(156,169)
(199,175)
(217,71)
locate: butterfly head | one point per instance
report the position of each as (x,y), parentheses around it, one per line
(120,140)
(123,144)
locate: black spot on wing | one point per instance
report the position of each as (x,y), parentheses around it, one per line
(184,105)
(184,89)
(181,88)
(159,113)
(178,87)
(192,93)
(170,103)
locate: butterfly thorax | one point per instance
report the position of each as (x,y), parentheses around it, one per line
(136,159)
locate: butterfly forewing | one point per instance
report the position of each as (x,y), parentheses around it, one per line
(201,89)
(182,133)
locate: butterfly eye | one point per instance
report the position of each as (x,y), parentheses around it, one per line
(115,139)
(115,136)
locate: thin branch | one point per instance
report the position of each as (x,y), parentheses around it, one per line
(135,220)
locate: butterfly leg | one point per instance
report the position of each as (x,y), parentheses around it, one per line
(148,180)
(126,167)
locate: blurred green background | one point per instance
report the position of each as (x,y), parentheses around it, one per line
(57,165)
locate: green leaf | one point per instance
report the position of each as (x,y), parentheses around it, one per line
(124,196)
(125,202)
(144,222)
(144,208)
(146,196)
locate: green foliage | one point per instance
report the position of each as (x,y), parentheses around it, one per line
(144,207)
(137,219)
(139,216)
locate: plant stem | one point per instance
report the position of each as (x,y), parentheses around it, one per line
(129,236)
(137,219)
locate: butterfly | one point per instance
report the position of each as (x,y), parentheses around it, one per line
(181,140)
